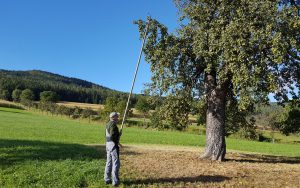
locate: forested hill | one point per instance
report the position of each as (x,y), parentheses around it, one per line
(69,89)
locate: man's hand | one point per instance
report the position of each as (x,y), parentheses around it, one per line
(120,145)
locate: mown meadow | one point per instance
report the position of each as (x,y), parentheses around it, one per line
(44,151)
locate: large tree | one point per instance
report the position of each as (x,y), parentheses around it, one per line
(16,95)
(224,51)
(288,121)
(143,106)
(48,96)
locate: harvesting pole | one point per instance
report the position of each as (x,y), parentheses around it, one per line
(136,70)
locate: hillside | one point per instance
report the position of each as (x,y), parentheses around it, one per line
(69,89)
(50,151)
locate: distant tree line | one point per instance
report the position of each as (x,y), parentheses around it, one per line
(48,104)
(170,112)
(69,89)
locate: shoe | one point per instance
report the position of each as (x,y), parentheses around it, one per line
(108,182)
(116,185)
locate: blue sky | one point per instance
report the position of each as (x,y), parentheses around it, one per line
(94,40)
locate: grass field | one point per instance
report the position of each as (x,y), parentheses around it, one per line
(95,107)
(44,151)
(21,124)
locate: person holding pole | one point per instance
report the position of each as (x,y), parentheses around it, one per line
(113,135)
(112,167)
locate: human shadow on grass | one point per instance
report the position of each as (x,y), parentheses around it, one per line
(17,151)
(123,150)
(254,158)
(194,179)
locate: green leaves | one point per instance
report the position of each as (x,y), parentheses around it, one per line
(26,95)
(251,45)
(48,96)
(289,121)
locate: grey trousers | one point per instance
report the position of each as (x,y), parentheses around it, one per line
(112,165)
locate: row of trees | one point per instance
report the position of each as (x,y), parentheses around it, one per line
(71,112)
(48,104)
(27,96)
(69,89)
(170,113)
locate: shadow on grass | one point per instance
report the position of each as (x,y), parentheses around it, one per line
(18,151)
(195,179)
(254,158)
(123,150)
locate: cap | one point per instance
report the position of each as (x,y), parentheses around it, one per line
(113,114)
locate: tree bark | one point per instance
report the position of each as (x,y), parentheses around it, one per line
(215,148)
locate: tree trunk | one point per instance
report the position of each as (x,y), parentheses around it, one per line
(215,148)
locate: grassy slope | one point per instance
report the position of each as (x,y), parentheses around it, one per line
(24,125)
(38,150)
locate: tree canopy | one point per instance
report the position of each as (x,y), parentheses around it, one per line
(48,96)
(69,89)
(289,121)
(226,51)
(16,95)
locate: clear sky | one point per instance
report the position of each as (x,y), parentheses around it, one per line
(94,40)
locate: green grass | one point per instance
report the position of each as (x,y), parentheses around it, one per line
(48,164)
(25,125)
(40,151)
(44,151)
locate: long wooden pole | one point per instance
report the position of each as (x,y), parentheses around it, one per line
(136,70)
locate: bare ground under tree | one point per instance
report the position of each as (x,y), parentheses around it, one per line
(163,166)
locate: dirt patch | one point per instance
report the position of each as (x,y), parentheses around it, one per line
(146,166)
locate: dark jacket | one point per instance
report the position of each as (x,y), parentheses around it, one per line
(113,130)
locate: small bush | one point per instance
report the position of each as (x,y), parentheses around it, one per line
(138,123)
(156,120)
(75,116)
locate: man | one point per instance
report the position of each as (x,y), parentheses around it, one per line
(112,150)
